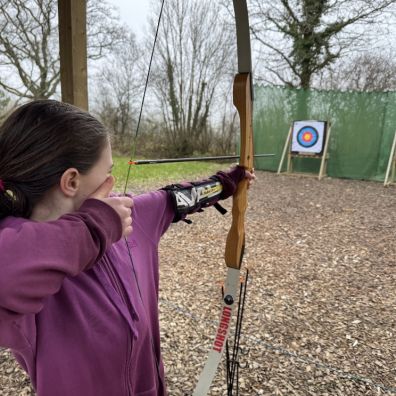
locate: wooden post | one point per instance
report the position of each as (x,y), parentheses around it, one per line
(73,51)
(391,164)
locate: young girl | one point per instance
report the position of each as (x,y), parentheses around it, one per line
(79,303)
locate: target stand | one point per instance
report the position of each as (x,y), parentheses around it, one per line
(306,139)
(390,170)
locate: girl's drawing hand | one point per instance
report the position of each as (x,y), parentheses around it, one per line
(122,205)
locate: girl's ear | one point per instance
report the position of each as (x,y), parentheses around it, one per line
(70,182)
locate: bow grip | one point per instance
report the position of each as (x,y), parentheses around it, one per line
(235,243)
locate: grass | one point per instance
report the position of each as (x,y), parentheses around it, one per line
(142,176)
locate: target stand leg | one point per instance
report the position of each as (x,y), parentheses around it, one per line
(325,157)
(390,171)
(286,149)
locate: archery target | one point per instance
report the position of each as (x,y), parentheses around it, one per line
(308,137)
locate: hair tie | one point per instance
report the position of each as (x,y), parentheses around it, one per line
(2,188)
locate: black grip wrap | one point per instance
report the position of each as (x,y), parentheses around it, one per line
(188,198)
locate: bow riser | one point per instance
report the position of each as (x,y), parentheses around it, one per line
(236,236)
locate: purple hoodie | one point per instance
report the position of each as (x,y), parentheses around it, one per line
(71,310)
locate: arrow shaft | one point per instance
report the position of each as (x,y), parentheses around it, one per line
(172,160)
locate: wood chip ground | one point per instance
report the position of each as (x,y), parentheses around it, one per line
(320,317)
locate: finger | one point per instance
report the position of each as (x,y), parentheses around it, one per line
(128,231)
(126,201)
(127,220)
(104,189)
(250,176)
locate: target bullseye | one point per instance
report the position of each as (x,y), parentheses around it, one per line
(307,137)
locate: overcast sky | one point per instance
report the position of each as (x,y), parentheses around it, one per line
(134,13)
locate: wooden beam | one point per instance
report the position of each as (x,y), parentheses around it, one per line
(73,51)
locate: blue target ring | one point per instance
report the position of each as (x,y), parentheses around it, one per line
(307,136)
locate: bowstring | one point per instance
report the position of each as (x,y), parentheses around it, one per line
(232,358)
(133,150)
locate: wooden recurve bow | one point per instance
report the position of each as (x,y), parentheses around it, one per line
(235,245)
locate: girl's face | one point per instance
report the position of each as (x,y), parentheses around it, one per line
(92,180)
(74,188)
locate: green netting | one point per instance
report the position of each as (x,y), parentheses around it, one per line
(363,126)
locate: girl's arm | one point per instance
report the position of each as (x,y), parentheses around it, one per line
(36,256)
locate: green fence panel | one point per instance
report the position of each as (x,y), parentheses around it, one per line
(363,126)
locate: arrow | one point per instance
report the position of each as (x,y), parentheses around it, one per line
(171,160)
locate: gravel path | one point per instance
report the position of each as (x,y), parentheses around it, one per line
(320,317)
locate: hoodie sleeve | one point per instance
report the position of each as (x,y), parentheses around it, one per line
(35,257)
(152,214)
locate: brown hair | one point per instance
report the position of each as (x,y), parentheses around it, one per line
(38,142)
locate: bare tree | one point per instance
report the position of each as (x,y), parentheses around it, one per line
(4,103)
(119,92)
(193,64)
(29,50)
(104,31)
(301,38)
(365,72)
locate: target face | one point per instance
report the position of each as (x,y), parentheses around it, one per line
(308,137)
